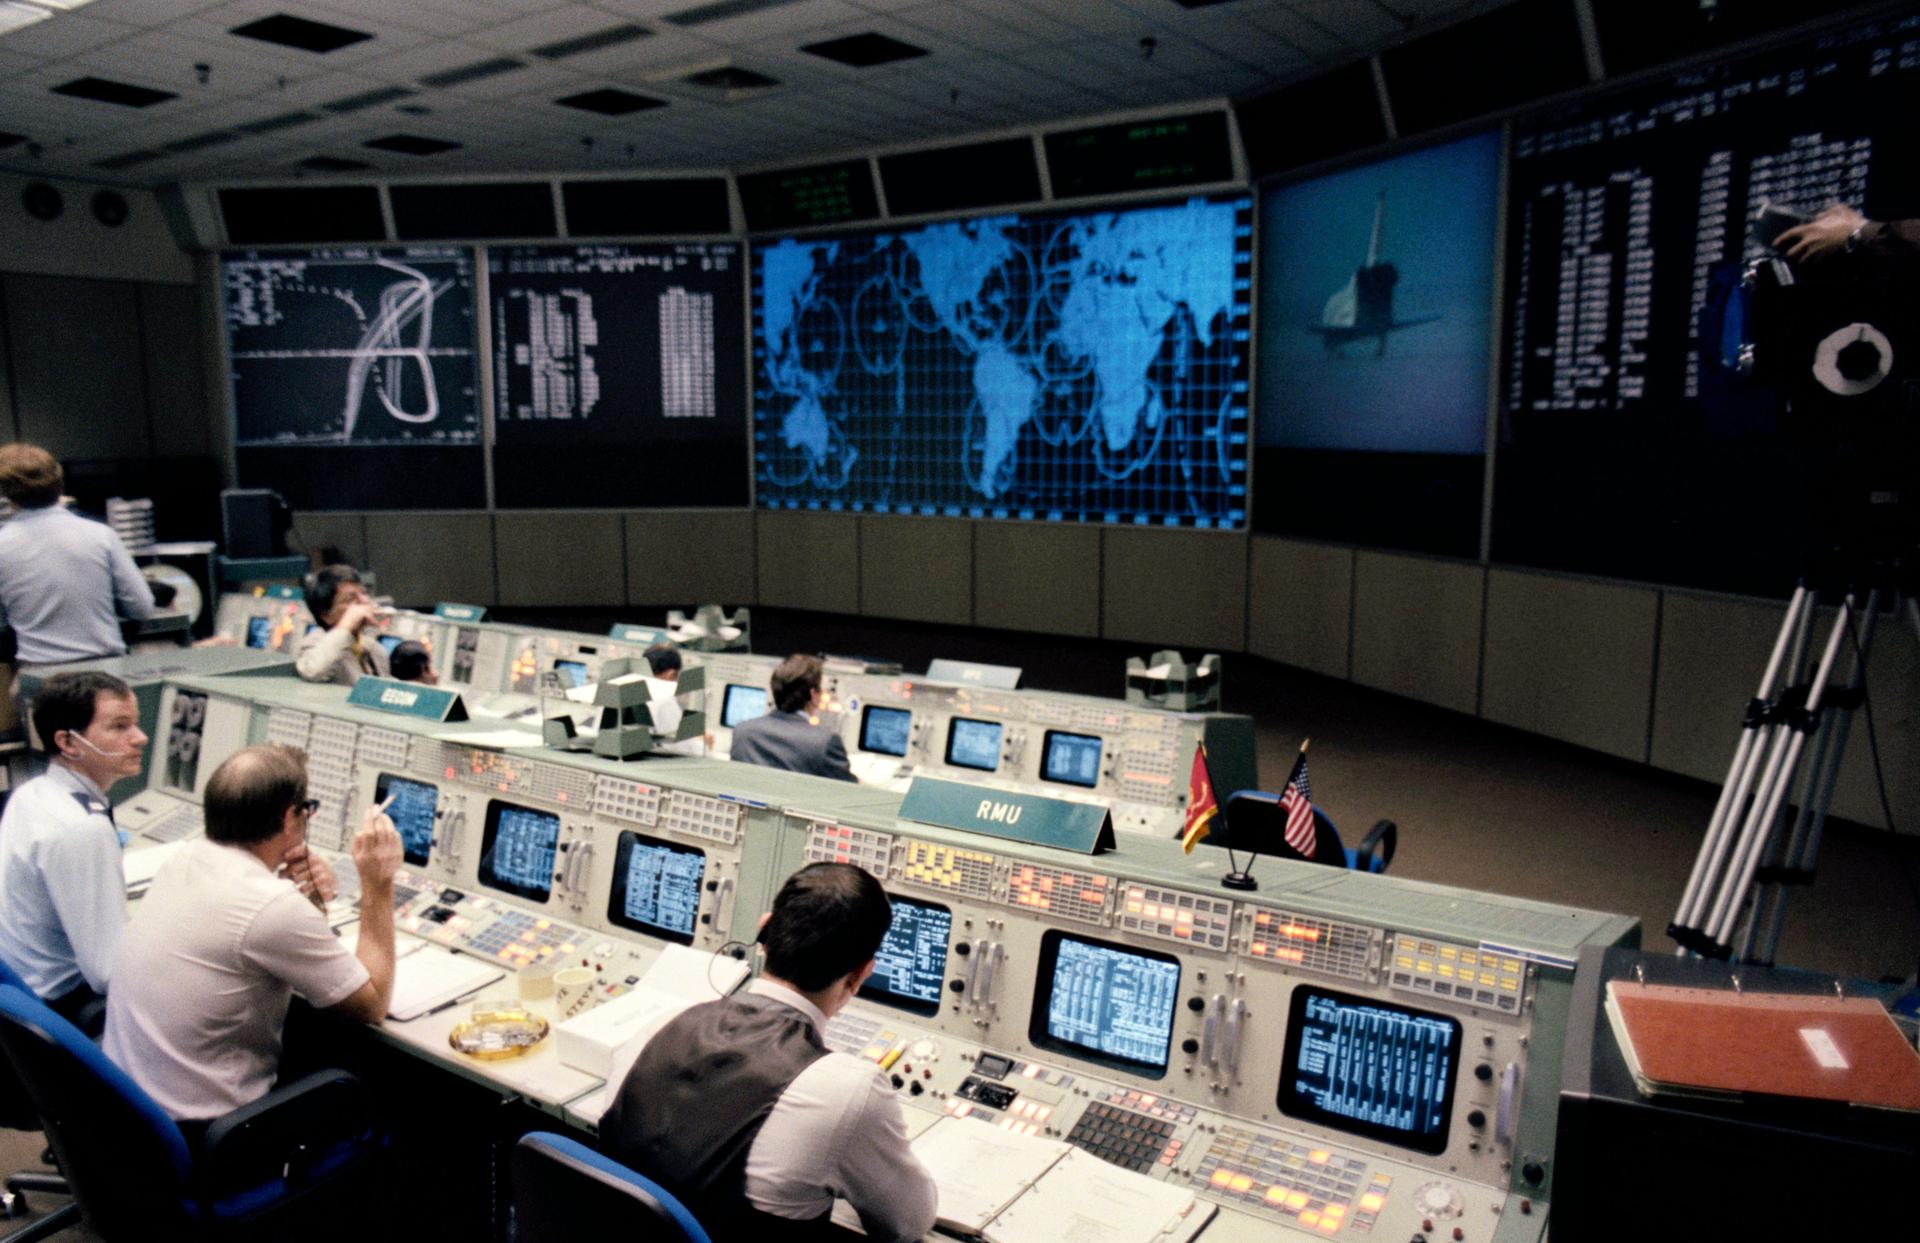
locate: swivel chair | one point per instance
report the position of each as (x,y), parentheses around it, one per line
(133,1173)
(564,1191)
(17,1114)
(1257,823)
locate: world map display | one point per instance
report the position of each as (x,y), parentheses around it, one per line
(1078,367)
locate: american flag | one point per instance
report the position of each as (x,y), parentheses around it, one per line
(1297,800)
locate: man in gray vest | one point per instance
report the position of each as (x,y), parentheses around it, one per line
(794,736)
(738,1108)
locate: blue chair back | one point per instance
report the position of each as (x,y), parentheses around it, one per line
(1256,823)
(127,1162)
(564,1191)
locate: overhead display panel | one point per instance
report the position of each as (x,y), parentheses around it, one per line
(1079,367)
(1376,303)
(1626,448)
(819,194)
(1158,154)
(618,375)
(354,376)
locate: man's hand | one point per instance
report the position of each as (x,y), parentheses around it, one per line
(312,874)
(1821,236)
(377,849)
(356,616)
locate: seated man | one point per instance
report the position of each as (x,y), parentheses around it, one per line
(63,894)
(792,735)
(344,650)
(411,662)
(738,1108)
(663,660)
(231,929)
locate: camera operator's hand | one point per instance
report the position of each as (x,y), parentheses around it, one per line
(1824,235)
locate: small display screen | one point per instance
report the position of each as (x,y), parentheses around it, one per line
(259,632)
(1072,759)
(389,642)
(885,730)
(912,962)
(572,672)
(656,887)
(516,854)
(1107,1003)
(742,703)
(1371,1068)
(974,744)
(411,812)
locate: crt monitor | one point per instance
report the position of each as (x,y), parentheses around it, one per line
(517,850)
(573,672)
(1071,759)
(974,744)
(911,967)
(742,703)
(259,632)
(885,731)
(1107,1003)
(1369,1067)
(411,810)
(389,642)
(656,887)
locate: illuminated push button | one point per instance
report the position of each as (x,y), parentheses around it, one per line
(1276,1195)
(1319,1156)
(1223,1178)
(1242,1183)
(1297,1199)
(1309,1219)
(1371,1202)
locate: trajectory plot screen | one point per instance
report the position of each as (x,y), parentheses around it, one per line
(1073,759)
(911,966)
(1370,1068)
(885,731)
(619,374)
(656,887)
(1082,367)
(974,744)
(1106,1002)
(742,703)
(411,811)
(517,850)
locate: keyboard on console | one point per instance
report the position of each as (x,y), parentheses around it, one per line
(1136,1134)
(177,825)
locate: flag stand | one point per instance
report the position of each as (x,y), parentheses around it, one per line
(1239,878)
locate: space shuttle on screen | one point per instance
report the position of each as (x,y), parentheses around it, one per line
(1364,306)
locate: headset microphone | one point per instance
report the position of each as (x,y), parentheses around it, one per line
(77,736)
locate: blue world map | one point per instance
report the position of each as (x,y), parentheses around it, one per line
(1074,367)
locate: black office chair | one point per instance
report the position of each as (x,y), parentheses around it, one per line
(564,1191)
(1256,823)
(258,1170)
(17,1114)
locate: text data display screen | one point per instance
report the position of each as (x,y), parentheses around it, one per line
(1072,759)
(1067,367)
(1108,1003)
(1373,1069)
(742,703)
(974,744)
(885,731)
(516,854)
(656,887)
(411,811)
(911,966)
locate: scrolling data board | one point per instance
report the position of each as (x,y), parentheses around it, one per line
(1625,448)
(618,375)
(1079,367)
(354,376)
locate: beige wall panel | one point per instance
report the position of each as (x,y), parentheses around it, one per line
(677,558)
(1037,577)
(1300,604)
(1174,588)
(423,559)
(558,558)
(1416,627)
(918,569)
(347,532)
(809,561)
(77,244)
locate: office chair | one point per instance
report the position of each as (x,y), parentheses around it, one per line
(1256,823)
(132,1172)
(564,1191)
(17,1114)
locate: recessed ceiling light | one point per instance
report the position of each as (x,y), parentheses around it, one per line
(298,32)
(15,16)
(107,91)
(731,78)
(865,50)
(579,45)
(721,10)
(212,138)
(333,164)
(286,120)
(127,159)
(474,72)
(411,144)
(610,102)
(369,99)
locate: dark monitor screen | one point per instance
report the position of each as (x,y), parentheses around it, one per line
(885,731)
(656,887)
(411,811)
(974,744)
(259,632)
(516,852)
(573,672)
(1072,759)
(742,703)
(912,963)
(1374,1069)
(389,641)
(1104,1002)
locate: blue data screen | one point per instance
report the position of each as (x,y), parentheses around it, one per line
(1106,1002)
(742,703)
(411,812)
(259,632)
(912,962)
(656,887)
(1072,759)
(974,744)
(572,672)
(1370,1068)
(886,731)
(516,855)
(388,642)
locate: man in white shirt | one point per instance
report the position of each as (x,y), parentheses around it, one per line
(231,928)
(738,1107)
(345,649)
(63,893)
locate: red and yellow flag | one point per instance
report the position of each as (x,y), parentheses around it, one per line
(1202,807)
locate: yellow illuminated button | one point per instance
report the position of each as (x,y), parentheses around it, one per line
(1309,1218)
(1448,951)
(1329,1224)
(1371,1202)
(1242,1183)
(1276,1195)
(1222,1178)
(1319,1156)
(1334,1210)
(1297,1199)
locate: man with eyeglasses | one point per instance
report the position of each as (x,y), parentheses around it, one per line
(233,927)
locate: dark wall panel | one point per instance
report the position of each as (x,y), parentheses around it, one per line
(176,374)
(74,351)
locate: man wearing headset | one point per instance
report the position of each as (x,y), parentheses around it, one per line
(63,893)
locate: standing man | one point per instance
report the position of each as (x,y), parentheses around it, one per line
(345,650)
(792,736)
(231,929)
(63,891)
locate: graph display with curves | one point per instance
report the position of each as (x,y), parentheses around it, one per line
(352,347)
(1078,367)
